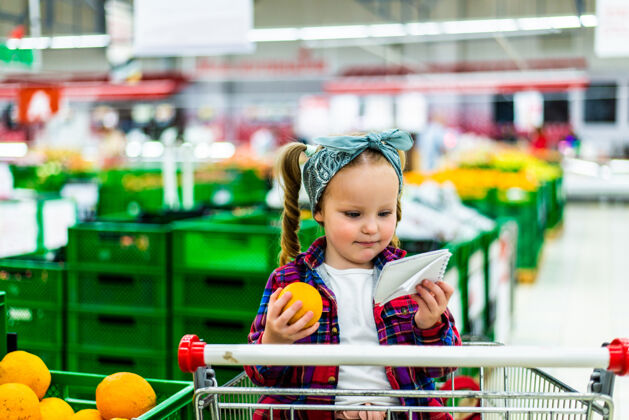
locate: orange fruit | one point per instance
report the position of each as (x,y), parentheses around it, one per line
(124,395)
(310,298)
(55,409)
(18,402)
(25,368)
(87,414)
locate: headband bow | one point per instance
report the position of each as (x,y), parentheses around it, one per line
(340,150)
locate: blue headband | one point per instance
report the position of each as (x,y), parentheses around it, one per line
(340,150)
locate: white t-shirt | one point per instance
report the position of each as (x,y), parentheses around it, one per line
(353,289)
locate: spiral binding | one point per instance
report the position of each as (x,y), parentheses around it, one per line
(444,266)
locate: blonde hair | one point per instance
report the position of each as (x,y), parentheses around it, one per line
(288,171)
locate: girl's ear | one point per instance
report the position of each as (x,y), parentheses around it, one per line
(318,217)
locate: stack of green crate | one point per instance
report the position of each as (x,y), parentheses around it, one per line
(35,289)
(490,246)
(468,257)
(220,268)
(557,201)
(118,298)
(140,190)
(483,201)
(527,209)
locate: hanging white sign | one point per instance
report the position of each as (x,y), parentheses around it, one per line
(611,38)
(165,28)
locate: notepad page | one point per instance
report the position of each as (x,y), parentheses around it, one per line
(399,278)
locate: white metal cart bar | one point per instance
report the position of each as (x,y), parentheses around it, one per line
(511,386)
(194,353)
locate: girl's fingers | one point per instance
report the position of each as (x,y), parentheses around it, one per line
(301,322)
(428,298)
(448,290)
(289,312)
(280,303)
(436,292)
(307,332)
(273,310)
(422,307)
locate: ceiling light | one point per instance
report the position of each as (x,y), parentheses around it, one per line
(33,43)
(428,28)
(564,22)
(532,24)
(394,29)
(274,34)
(479,26)
(60,42)
(550,22)
(333,32)
(589,21)
(92,41)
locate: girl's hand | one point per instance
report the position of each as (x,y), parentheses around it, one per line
(432,299)
(277,330)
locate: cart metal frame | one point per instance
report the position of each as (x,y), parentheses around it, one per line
(512,386)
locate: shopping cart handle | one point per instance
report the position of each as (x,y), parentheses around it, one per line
(194,353)
(190,353)
(619,356)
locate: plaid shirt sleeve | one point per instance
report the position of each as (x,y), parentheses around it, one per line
(443,333)
(265,375)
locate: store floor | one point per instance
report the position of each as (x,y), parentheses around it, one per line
(580,297)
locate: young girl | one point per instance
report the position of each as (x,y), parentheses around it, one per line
(354,186)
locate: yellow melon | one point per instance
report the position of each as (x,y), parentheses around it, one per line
(124,395)
(25,368)
(87,414)
(55,409)
(18,402)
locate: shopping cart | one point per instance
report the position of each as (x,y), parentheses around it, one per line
(510,384)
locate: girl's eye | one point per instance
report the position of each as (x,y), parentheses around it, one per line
(352,214)
(385,213)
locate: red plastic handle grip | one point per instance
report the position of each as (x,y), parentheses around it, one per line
(190,353)
(619,356)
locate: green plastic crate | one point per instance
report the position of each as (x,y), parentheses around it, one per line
(120,247)
(247,244)
(115,327)
(205,291)
(215,328)
(108,360)
(485,203)
(130,290)
(527,209)
(36,323)
(462,252)
(487,239)
(32,278)
(174,398)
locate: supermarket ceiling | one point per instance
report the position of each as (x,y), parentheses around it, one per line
(76,17)
(423,35)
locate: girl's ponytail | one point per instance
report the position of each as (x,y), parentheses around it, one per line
(289,175)
(395,241)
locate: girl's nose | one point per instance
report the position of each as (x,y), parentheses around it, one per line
(370,226)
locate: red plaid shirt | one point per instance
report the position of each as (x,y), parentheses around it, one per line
(395,324)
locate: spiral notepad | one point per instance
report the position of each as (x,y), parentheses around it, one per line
(399,277)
